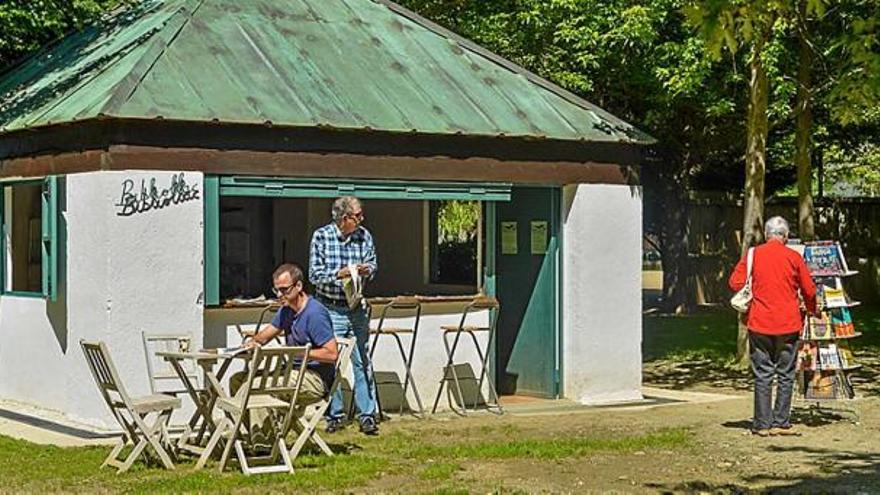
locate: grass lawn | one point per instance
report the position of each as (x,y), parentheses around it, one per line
(698,350)
(422,455)
(711,334)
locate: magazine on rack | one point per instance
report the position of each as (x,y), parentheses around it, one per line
(841,323)
(833,297)
(825,258)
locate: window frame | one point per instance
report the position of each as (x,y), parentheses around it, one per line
(216,186)
(433,251)
(48,238)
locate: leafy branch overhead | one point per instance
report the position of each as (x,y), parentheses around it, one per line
(28,24)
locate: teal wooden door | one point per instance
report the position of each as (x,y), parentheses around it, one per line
(527,262)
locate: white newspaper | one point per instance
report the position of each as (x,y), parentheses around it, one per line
(353,287)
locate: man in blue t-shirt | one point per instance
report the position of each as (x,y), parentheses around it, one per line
(303,320)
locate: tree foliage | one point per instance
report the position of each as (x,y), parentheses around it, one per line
(457,221)
(25,25)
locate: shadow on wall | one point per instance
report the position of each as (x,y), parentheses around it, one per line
(56,310)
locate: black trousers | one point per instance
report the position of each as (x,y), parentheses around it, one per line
(773,356)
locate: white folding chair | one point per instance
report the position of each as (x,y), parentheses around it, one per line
(131,412)
(163,378)
(270,386)
(311,414)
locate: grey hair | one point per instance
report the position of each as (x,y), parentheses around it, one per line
(343,205)
(776,227)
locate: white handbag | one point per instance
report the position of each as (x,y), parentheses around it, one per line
(741,300)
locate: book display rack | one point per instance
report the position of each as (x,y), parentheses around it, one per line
(825,360)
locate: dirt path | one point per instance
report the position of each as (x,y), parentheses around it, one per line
(833,454)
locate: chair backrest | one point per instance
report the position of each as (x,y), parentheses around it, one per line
(401,306)
(105,375)
(159,370)
(271,370)
(344,347)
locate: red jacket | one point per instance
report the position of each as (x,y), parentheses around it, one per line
(777,274)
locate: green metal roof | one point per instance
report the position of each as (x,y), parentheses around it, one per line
(351,64)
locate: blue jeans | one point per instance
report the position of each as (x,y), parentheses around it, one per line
(773,356)
(345,324)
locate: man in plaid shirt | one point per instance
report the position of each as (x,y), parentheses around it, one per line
(334,248)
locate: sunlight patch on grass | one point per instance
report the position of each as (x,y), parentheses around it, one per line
(440,471)
(547,448)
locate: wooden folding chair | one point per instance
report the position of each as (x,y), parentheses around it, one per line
(270,386)
(311,414)
(163,378)
(451,375)
(130,412)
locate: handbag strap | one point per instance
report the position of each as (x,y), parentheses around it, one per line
(750,259)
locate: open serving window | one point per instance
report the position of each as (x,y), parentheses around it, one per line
(430,237)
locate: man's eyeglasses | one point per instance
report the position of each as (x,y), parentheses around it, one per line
(359,216)
(283,291)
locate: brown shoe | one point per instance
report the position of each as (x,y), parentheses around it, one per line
(784,432)
(761,433)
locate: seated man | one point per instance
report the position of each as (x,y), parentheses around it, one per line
(303,320)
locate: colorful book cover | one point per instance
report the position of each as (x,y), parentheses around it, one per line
(846,357)
(820,328)
(833,297)
(828,358)
(808,356)
(822,385)
(841,322)
(823,258)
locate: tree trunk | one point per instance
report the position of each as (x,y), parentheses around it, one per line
(756,155)
(675,260)
(803,129)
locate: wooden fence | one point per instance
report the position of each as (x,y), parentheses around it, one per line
(715,234)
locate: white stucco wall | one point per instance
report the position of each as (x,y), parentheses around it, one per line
(602,310)
(123,275)
(428,362)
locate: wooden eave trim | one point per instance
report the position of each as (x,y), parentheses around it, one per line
(101,133)
(326,165)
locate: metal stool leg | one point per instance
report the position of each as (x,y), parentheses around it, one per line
(407,364)
(380,413)
(455,378)
(484,368)
(443,378)
(450,368)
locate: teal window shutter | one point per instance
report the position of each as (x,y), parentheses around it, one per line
(212,239)
(49,221)
(281,187)
(2,238)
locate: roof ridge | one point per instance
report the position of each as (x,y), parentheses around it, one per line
(125,88)
(563,93)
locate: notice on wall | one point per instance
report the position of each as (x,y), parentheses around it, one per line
(539,236)
(508,238)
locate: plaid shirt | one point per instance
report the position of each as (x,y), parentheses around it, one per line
(330,251)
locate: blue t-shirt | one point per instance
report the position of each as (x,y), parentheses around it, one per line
(312,326)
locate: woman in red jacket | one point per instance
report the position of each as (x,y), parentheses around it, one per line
(775,320)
